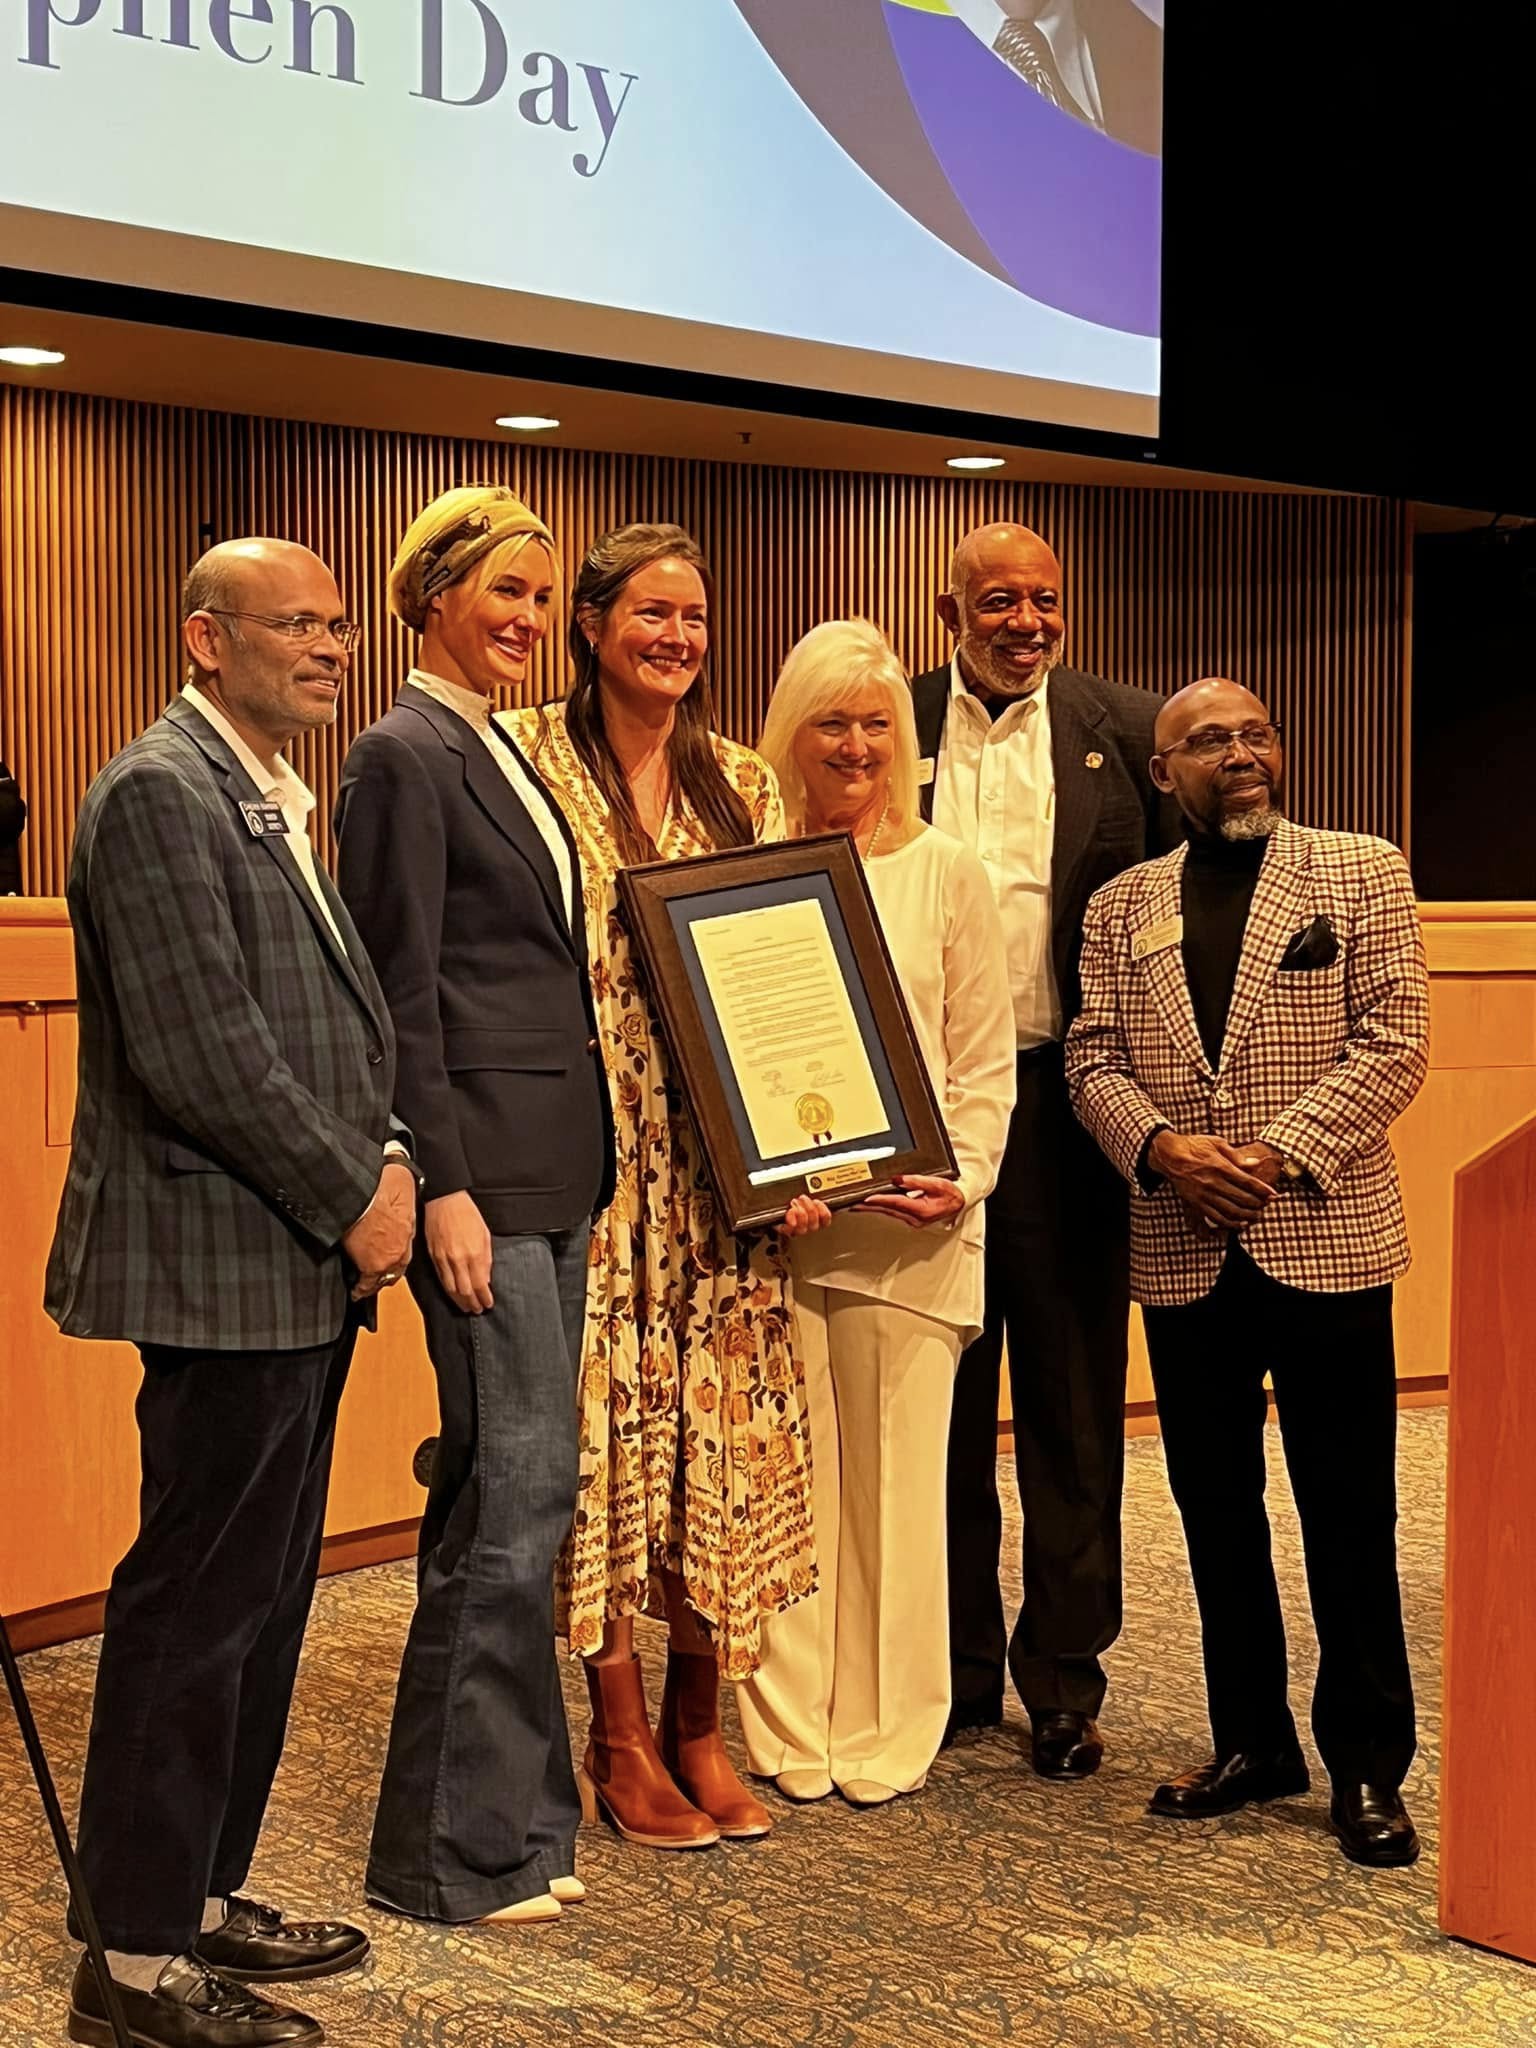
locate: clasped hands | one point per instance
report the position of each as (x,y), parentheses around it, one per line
(379,1242)
(1222,1186)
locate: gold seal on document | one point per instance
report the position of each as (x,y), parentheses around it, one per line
(814,1114)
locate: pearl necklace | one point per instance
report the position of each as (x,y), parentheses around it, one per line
(874,837)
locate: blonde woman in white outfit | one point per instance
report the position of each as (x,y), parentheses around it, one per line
(854,1685)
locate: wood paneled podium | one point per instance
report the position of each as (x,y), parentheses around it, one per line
(68,1450)
(1488,1762)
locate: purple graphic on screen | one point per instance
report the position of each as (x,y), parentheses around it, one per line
(1064,212)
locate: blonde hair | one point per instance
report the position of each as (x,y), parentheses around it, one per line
(468,535)
(829,668)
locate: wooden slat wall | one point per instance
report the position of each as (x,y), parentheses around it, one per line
(103,505)
(98,519)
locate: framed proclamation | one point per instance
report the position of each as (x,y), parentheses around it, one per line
(786,1024)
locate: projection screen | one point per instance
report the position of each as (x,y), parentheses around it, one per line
(953,203)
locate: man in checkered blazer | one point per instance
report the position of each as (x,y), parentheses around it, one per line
(1255,1016)
(237,1193)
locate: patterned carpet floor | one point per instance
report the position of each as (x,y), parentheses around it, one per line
(993,1907)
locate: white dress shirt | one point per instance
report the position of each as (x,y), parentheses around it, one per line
(995,791)
(279,784)
(475,710)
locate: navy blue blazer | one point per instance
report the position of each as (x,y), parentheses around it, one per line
(452,886)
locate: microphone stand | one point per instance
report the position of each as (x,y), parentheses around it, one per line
(79,1897)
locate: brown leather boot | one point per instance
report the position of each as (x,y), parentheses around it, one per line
(692,1749)
(622,1774)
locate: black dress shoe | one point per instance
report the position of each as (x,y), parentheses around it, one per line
(1228,1782)
(259,1946)
(191,2006)
(1372,1825)
(1063,1745)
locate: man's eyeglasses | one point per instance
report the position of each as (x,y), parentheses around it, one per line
(1213,744)
(302,628)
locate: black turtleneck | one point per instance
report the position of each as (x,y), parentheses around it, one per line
(1219,880)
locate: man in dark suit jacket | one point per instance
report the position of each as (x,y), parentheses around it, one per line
(464,879)
(235,1197)
(1044,770)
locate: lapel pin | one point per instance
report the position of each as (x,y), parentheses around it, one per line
(1093,760)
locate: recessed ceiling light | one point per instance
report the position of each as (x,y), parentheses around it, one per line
(527,422)
(974,461)
(31,358)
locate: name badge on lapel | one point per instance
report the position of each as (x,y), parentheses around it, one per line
(1157,938)
(265,821)
(925,768)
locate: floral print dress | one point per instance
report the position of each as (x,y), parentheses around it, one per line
(695,1454)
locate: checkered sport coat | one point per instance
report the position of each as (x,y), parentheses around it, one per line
(1320,1056)
(235,1067)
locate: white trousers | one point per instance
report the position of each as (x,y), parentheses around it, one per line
(855,1680)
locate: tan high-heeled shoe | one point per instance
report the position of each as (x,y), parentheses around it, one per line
(623,1778)
(524,1912)
(804,1787)
(693,1750)
(871,1792)
(868,1792)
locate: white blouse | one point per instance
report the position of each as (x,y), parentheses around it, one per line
(945,936)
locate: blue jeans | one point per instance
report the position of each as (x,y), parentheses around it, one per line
(478,1806)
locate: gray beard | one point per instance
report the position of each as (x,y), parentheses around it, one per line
(1008,686)
(1250,824)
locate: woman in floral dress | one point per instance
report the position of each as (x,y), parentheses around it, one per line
(694,1499)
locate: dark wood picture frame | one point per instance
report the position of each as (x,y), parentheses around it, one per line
(655,896)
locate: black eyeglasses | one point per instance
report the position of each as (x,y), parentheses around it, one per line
(302,628)
(1213,744)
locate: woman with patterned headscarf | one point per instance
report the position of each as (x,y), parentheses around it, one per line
(465,884)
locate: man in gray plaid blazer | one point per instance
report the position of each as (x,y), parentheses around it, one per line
(1255,1015)
(235,1198)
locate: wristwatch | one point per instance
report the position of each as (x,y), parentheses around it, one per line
(1291,1169)
(395,1154)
